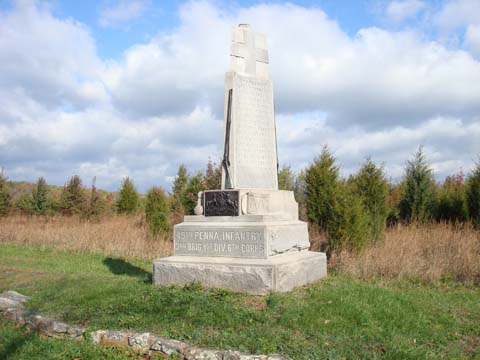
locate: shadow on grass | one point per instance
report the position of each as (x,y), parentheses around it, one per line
(122,267)
(10,350)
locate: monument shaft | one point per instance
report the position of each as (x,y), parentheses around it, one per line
(249,115)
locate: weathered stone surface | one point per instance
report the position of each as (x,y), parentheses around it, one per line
(116,338)
(249,115)
(59,327)
(236,355)
(13,295)
(194,353)
(45,325)
(33,320)
(277,357)
(97,336)
(74,331)
(220,239)
(141,341)
(212,272)
(169,346)
(260,276)
(10,314)
(236,238)
(7,303)
(253,148)
(231,355)
(52,328)
(22,315)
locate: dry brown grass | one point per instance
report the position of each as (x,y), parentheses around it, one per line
(118,236)
(427,252)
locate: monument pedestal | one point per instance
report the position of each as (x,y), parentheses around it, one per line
(255,253)
(256,276)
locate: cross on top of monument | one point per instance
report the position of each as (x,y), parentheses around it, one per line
(248,52)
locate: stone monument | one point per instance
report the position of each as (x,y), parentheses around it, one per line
(245,236)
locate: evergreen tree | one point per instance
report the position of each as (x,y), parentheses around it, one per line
(40,197)
(452,204)
(300,196)
(418,196)
(371,185)
(333,206)
(473,194)
(322,189)
(24,204)
(213,176)
(4,194)
(194,186)
(286,178)
(128,198)
(179,190)
(393,203)
(72,200)
(350,227)
(97,206)
(157,211)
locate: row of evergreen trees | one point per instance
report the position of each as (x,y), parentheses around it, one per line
(159,209)
(355,211)
(350,212)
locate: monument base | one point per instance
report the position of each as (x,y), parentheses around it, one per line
(257,276)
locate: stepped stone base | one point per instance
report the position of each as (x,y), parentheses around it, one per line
(257,276)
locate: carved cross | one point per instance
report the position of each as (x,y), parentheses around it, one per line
(249,46)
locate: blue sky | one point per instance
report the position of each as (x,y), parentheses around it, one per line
(118,88)
(158,16)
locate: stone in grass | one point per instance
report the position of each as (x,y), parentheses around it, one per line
(7,303)
(141,341)
(45,326)
(33,321)
(114,338)
(168,346)
(59,327)
(236,355)
(193,353)
(10,314)
(75,332)
(13,295)
(21,315)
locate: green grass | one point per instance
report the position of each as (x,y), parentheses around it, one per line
(336,318)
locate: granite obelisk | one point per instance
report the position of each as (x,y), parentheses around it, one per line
(245,236)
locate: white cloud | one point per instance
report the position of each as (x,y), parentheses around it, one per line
(400,10)
(456,13)
(123,12)
(472,39)
(375,78)
(449,144)
(53,61)
(63,110)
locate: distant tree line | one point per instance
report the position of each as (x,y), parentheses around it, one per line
(350,212)
(160,210)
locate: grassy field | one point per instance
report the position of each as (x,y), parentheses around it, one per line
(337,318)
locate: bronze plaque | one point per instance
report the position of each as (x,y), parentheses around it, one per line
(222,203)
